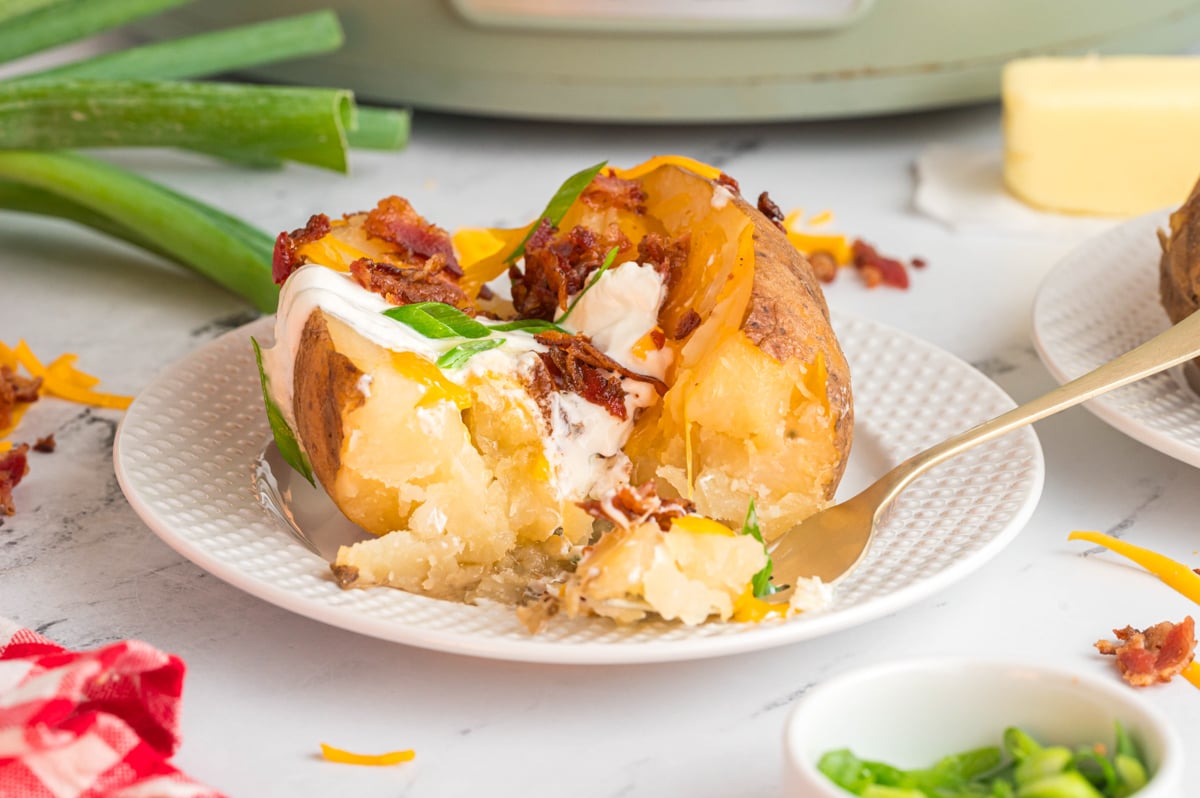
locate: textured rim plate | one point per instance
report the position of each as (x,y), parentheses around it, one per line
(1101,301)
(186,451)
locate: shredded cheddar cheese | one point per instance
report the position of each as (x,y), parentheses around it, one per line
(699,525)
(748,609)
(60,379)
(840,247)
(1175,574)
(332,754)
(1192,673)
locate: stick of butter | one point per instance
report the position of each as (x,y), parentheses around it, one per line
(1105,136)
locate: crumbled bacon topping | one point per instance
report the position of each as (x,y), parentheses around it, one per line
(877,269)
(628,506)
(824,265)
(667,255)
(729,183)
(402,285)
(557,266)
(688,322)
(1152,655)
(394,220)
(14,465)
(769,209)
(609,191)
(286,258)
(13,389)
(46,445)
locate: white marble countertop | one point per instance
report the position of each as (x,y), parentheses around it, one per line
(264,686)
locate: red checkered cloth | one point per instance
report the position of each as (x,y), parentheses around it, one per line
(91,723)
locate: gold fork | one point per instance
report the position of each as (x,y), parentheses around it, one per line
(829,544)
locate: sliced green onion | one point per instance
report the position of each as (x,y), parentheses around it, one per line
(300,124)
(12,9)
(464,352)
(215,244)
(608,260)
(531,326)
(285,439)
(211,53)
(58,23)
(380,129)
(560,203)
(761,581)
(438,320)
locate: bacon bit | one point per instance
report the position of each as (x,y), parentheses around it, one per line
(918,263)
(394,220)
(688,322)
(14,465)
(15,389)
(332,754)
(668,256)
(557,266)
(628,506)
(609,191)
(582,348)
(823,265)
(889,271)
(45,445)
(1153,655)
(770,210)
(404,285)
(286,259)
(729,183)
(574,364)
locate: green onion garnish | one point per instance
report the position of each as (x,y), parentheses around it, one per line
(608,259)
(761,581)
(560,203)
(464,352)
(285,439)
(438,320)
(531,326)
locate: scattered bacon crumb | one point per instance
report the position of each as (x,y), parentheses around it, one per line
(770,210)
(394,220)
(402,285)
(46,445)
(824,265)
(13,389)
(1152,655)
(918,263)
(667,255)
(876,268)
(14,465)
(609,191)
(286,258)
(688,322)
(629,505)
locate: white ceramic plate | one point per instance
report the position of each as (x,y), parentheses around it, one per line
(187,450)
(1101,301)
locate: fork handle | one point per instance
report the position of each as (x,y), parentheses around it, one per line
(1171,347)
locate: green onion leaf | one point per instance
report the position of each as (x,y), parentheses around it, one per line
(380,129)
(531,326)
(464,352)
(285,439)
(211,53)
(562,200)
(49,24)
(221,247)
(608,259)
(761,581)
(299,124)
(438,320)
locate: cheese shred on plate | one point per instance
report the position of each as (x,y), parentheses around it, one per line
(332,754)
(60,379)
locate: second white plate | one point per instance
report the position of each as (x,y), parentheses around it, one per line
(1098,303)
(186,453)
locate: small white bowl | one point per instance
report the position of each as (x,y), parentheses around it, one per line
(912,713)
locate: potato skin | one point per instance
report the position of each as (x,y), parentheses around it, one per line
(1179,269)
(789,318)
(325,389)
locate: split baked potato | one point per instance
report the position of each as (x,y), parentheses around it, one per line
(665,359)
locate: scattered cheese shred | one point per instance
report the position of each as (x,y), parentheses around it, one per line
(1192,673)
(68,383)
(349,758)
(1175,574)
(840,247)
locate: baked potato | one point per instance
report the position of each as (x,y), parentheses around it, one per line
(664,343)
